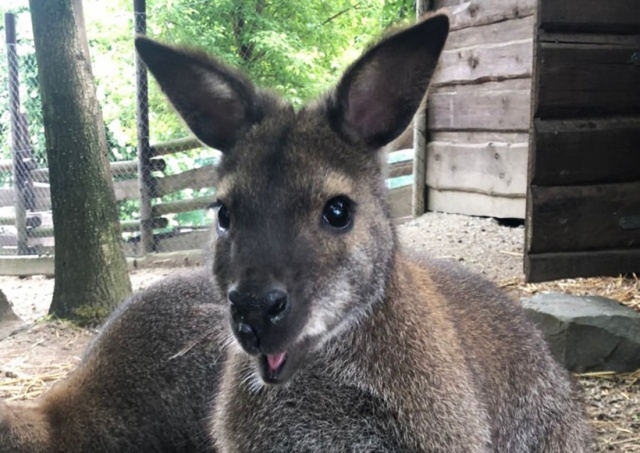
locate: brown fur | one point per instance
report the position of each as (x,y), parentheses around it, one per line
(382,352)
(144,384)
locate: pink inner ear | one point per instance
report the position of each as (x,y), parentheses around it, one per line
(366,114)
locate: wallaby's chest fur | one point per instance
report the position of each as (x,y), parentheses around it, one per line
(415,375)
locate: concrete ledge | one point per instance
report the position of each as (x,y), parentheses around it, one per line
(22,266)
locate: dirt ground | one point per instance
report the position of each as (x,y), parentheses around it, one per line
(44,352)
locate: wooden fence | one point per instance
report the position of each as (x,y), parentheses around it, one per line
(40,227)
(142,179)
(39,223)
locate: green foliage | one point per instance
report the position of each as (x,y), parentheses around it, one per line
(89,315)
(296,48)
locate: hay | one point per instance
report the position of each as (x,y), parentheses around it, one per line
(625,290)
(629,378)
(29,381)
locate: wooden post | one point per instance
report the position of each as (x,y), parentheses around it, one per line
(144,149)
(14,107)
(419,202)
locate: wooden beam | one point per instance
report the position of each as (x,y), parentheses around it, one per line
(485,62)
(614,16)
(578,218)
(586,80)
(402,168)
(589,151)
(552,266)
(420,139)
(23,266)
(192,204)
(470,203)
(171,259)
(419,167)
(120,168)
(175,146)
(41,193)
(499,106)
(196,239)
(482,12)
(6,165)
(134,225)
(7,196)
(33,220)
(400,201)
(125,226)
(128,189)
(495,169)
(479,137)
(198,178)
(496,33)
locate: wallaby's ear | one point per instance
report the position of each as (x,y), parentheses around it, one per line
(217,103)
(379,94)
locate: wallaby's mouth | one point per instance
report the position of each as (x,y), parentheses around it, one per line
(271,367)
(277,369)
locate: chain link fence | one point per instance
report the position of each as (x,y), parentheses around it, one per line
(24,199)
(165,209)
(178,176)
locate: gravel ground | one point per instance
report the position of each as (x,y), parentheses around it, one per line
(34,359)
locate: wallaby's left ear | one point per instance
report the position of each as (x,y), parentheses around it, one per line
(379,94)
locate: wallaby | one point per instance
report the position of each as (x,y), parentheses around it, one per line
(145,383)
(342,342)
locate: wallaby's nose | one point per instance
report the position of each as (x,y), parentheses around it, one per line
(253,316)
(272,304)
(277,301)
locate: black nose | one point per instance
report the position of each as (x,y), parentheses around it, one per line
(254,317)
(276,303)
(272,305)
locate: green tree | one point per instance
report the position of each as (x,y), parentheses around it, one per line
(297,48)
(90,268)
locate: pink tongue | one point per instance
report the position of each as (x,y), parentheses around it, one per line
(275,361)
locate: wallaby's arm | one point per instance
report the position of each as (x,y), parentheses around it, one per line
(24,428)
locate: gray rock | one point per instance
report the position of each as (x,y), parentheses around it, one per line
(587,333)
(6,313)
(9,322)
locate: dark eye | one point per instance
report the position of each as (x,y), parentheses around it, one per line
(223,217)
(337,213)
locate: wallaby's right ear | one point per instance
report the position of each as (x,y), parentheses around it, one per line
(379,94)
(217,103)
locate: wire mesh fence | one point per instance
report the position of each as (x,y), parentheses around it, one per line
(163,179)
(178,175)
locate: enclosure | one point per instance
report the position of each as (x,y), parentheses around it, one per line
(163,191)
(533,118)
(490,91)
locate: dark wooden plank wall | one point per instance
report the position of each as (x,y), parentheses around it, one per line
(583,209)
(480,109)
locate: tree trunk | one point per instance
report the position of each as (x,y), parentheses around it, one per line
(90,268)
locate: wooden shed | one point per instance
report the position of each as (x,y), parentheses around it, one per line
(480,109)
(534,113)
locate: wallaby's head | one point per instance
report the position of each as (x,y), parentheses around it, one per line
(305,242)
